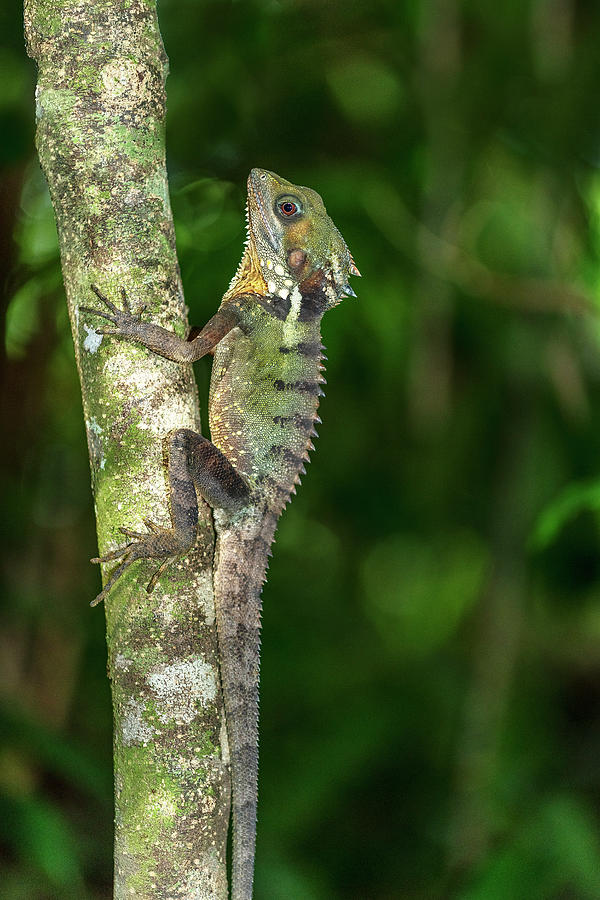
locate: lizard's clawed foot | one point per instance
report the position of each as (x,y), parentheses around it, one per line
(161,543)
(126,322)
(152,526)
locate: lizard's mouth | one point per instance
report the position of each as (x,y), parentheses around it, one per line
(257,204)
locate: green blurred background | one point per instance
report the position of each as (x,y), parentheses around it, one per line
(431,673)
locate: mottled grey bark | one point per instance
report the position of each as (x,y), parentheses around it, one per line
(100,117)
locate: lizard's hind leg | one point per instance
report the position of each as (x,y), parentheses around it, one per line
(195,462)
(195,465)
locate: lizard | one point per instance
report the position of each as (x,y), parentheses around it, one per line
(266,383)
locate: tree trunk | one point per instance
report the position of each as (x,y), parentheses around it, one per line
(100,136)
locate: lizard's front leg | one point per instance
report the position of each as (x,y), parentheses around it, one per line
(127,324)
(195,464)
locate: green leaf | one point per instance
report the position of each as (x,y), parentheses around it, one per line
(555,851)
(417,591)
(366,89)
(576,497)
(40,835)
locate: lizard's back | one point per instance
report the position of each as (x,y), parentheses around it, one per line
(264,395)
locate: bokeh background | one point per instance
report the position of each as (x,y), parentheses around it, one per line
(431,669)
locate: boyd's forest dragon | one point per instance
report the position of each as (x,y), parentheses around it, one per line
(264,393)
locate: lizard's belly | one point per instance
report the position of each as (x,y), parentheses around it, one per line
(263,403)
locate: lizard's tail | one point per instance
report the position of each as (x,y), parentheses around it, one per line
(239,575)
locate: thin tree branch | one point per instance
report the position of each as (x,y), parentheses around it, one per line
(443,259)
(100,136)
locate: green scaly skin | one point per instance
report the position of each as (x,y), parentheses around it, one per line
(264,393)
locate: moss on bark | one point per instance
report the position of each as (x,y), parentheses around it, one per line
(100,107)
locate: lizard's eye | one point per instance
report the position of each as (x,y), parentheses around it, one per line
(288,207)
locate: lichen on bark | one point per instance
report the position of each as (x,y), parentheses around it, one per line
(100,108)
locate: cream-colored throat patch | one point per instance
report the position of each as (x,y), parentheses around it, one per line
(291,320)
(277,278)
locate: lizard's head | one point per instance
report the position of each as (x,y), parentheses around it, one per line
(294,242)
